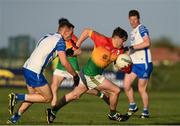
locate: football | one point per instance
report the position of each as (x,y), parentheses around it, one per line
(122,61)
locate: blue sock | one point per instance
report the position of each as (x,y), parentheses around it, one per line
(20,97)
(132,105)
(145,111)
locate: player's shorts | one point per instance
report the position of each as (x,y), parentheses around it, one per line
(63,73)
(33,79)
(91,81)
(143,71)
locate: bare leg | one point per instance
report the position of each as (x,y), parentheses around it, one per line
(73,95)
(76,93)
(128,80)
(142,87)
(101,94)
(113,91)
(25,105)
(57,80)
(44,95)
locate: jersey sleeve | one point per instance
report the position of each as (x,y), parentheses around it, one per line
(61,46)
(143,31)
(74,38)
(98,39)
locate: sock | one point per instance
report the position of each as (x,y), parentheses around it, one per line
(132,105)
(61,103)
(112,112)
(145,110)
(106,99)
(19,113)
(15,117)
(20,97)
(100,94)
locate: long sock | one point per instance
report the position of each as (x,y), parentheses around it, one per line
(145,111)
(132,105)
(61,103)
(104,97)
(112,112)
(15,117)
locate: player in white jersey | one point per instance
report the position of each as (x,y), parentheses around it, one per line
(47,49)
(142,64)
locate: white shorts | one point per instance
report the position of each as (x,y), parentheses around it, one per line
(63,73)
(91,81)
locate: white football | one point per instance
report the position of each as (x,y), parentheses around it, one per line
(122,61)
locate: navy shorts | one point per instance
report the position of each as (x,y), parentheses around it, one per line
(33,79)
(143,71)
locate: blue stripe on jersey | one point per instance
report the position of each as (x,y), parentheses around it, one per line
(143,31)
(146,56)
(48,59)
(47,35)
(41,40)
(61,46)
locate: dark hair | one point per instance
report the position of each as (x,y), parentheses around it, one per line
(120,32)
(65,22)
(134,13)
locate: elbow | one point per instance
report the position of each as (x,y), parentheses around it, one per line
(148,44)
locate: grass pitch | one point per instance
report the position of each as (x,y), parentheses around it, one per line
(90,110)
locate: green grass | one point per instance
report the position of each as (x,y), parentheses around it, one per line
(164,108)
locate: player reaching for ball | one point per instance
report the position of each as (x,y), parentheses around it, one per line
(105,52)
(60,73)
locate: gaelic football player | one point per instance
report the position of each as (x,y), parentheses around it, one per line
(60,72)
(142,64)
(46,50)
(105,52)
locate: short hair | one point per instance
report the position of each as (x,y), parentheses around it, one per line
(65,22)
(120,33)
(134,13)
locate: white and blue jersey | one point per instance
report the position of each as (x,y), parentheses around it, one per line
(142,61)
(45,51)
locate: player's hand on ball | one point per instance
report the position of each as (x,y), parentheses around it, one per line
(70,52)
(76,80)
(127,69)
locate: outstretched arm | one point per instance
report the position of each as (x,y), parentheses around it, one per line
(84,35)
(145,44)
(65,63)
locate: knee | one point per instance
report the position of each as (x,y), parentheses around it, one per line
(117,91)
(141,90)
(126,87)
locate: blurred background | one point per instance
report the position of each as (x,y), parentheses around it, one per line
(24,22)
